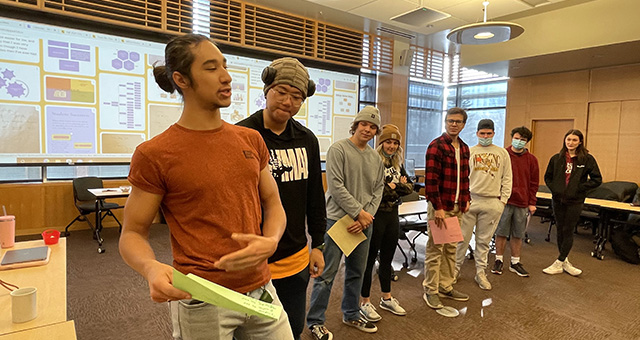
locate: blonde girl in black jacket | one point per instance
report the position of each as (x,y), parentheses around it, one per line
(570,175)
(385,225)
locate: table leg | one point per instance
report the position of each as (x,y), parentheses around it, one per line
(99,225)
(603,233)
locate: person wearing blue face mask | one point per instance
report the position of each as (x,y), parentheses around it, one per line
(524,166)
(490,187)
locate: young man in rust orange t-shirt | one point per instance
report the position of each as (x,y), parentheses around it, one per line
(212,182)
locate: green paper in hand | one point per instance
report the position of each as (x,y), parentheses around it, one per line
(215,294)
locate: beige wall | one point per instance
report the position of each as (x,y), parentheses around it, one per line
(603,103)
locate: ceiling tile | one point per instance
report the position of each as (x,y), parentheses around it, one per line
(383,10)
(343,5)
(472,11)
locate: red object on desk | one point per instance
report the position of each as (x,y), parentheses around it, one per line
(51,236)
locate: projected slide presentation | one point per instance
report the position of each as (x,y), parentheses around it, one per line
(70,96)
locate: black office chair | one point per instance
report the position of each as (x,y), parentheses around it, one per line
(410,168)
(85,202)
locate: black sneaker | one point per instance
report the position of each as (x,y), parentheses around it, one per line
(362,325)
(519,269)
(497,267)
(320,332)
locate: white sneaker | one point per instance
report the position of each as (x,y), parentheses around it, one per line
(570,269)
(555,268)
(392,306)
(483,282)
(369,312)
(320,332)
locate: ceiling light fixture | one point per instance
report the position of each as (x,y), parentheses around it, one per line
(483,33)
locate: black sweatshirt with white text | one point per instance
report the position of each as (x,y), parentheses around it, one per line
(294,160)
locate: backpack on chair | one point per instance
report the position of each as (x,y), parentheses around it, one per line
(622,242)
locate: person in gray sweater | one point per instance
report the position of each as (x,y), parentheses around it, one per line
(355,183)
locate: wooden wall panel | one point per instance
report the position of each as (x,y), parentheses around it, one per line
(602,136)
(575,111)
(399,103)
(547,140)
(567,87)
(518,91)
(392,100)
(40,206)
(384,97)
(565,96)
(628,162)
(59,210)
(26,202)
(615,83)
(517,115)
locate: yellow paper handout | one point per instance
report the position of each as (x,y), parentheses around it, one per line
(345,240)
(215,294)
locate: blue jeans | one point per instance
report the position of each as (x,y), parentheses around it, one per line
(354,273)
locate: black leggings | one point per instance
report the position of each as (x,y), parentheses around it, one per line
(567,217)
(384,238)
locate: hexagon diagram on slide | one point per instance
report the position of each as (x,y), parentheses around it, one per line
(121,60)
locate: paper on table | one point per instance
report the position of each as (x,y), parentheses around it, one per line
(215,294)
(451,234)
(343,238)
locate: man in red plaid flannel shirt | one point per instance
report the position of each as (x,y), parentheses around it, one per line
(447,190)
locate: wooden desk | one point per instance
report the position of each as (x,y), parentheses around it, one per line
(606,209)
(102,194)
(58,331)
(51,282)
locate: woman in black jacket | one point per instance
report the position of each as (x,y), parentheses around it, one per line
(570,175)
(385,225)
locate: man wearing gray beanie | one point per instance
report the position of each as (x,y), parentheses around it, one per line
(355,182)
(294,161)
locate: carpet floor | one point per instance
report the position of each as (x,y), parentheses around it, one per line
(108,300)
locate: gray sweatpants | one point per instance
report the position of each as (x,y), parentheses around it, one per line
(484,214)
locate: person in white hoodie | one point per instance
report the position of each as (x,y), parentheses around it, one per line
(490,183)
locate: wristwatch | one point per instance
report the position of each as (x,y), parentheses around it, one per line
(320,247)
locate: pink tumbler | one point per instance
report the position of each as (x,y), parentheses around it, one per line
(7,231)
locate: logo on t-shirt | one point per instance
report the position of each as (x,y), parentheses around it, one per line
(487,162)
(569,168)
(289,165)
(391,175)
